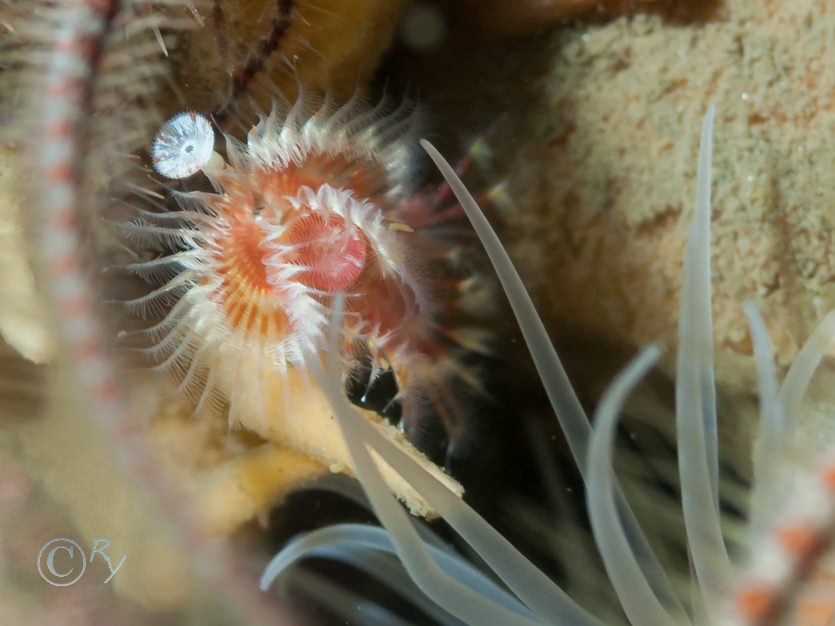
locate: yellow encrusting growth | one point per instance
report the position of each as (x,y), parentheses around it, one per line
(250,486)
(23,319)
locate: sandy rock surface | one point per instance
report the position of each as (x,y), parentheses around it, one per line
(618,133)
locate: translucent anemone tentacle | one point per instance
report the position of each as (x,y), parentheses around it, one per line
(804,366)
(634,591)
(361,545)
(563,399)
(770,486)
(572,418)
(696,396)
(541,595)
(342,602)
(384,569)
(775,471)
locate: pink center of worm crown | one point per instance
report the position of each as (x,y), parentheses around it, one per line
(331,252)
(332,249)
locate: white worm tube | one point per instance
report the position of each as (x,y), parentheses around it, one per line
(184,146)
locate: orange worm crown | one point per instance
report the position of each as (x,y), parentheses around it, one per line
(314,203)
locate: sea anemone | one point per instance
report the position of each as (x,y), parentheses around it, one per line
(790,528)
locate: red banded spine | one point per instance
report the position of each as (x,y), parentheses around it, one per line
(75,48)
(771,588)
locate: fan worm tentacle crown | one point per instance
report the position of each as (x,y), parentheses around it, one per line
(317,201)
